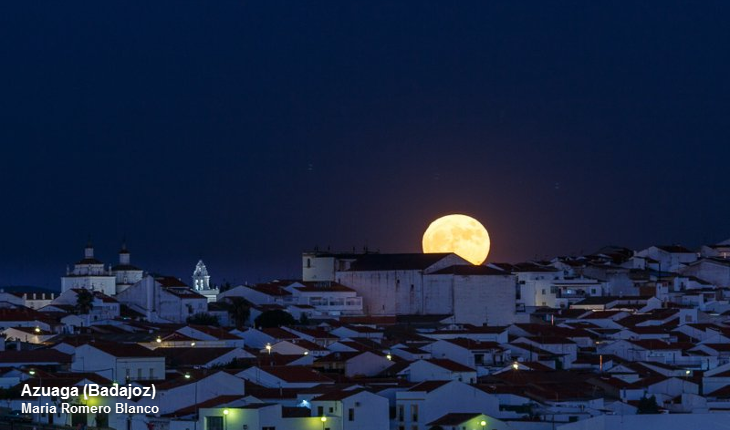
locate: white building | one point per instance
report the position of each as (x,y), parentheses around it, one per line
(201,278)
(430,400)
(163,299)
(28,298)
(89,273)
(103,307)
(320,298)
(322,266)
(395,284)
(119,362)
(713,270)
(356,409)
(669,258)
(126,274)
(479,294)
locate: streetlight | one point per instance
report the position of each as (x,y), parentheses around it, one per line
(159,339)
(225,419)
(197,412)
(268,348)
(515,365)
(483,423)
(324,420)
(192,343)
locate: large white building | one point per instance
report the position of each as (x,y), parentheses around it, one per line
(126,274)
(163,299)
(89,273)
(420,284)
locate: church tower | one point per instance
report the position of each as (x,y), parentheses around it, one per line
(126,273)
(201,279)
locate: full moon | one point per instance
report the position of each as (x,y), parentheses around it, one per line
(460,234)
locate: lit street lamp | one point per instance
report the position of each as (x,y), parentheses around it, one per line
(324,420)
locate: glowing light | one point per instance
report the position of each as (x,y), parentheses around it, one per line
(187,375)
(268,348)
(32,372)
(460,234)
(37,329)
(515,365)
(159,339)
(192,343)
(225,411)
(306,352)
(324,419)
(483,423)
(389,357)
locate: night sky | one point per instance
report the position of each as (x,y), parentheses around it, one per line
(245,133)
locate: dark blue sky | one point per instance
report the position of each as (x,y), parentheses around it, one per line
(243,134)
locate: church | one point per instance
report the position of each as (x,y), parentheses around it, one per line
(90,273)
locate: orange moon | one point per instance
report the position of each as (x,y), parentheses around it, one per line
(460,234)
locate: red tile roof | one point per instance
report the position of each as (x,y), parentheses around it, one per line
(295,374)
(219,401)
(35,357)
(474,345)
(338,395)
(124,350)
(454,419)
(449,365)
(428,386)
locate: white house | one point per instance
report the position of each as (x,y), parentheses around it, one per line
(669,258)
(713,270)
(284,376)
(25,317)
(430,400)
(357,409)
(469,352)
(103,307)
(441,369)
(119,362)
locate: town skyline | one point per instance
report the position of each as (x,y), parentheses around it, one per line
(181,270)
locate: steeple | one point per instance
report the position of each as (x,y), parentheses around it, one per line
(124,254)
(89,250)
(201,279)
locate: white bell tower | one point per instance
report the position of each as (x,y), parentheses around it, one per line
(201,279)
